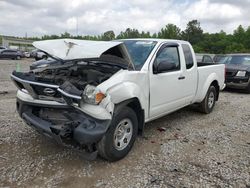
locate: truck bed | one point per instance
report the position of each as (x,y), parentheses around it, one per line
(207,71)
(205,64)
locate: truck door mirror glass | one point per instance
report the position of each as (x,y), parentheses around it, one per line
(166,66)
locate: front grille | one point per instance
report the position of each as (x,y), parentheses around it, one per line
(231,73)
(38,90)
(41,90)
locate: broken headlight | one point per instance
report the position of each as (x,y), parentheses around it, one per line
(92,95)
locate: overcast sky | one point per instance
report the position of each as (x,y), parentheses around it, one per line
(40,17)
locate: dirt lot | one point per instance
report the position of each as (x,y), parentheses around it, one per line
(195,150)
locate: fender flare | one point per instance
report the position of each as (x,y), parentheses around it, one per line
(137,109)
(211,78)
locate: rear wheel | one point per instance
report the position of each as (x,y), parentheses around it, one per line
(120,137)
(208,103)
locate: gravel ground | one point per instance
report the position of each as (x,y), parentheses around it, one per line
(194,150)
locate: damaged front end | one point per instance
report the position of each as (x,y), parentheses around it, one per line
(67,126)
(73,113)
(64,102)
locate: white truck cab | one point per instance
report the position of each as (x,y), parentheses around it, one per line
(105,92)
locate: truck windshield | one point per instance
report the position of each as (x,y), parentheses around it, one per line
(239,60)
(139,51)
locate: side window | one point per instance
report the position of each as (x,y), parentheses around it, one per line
(207,59)
(188,56)
(167,60)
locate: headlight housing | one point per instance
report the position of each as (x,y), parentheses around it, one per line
(92,95)
(241,73)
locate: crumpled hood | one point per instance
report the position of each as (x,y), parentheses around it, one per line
(71,49)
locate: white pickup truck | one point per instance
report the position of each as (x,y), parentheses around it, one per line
(99,95)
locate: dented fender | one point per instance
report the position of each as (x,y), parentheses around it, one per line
(126,85)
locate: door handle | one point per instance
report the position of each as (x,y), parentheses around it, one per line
(181,78)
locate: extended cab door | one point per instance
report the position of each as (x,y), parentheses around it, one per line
(190,72)
(167,81)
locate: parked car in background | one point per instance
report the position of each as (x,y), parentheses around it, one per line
(220,58)
(204,58)
(38,54)
(2,48)
(43,63)
(11,54)
(238,71)
(103,93)
(26,54)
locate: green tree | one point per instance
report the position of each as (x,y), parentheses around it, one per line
(145,34)
(108,35)
(65,35)
(193,32)
(129,33)
(247,39)
(239,35)
(170,31)
(214,43)
(236,48)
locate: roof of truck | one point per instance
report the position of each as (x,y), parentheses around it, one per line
(156,39)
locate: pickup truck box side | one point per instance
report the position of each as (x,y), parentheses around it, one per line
(208,75)
(165,78)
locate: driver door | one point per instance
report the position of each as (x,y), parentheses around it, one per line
(166,92)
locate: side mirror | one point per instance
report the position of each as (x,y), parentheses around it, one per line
(165,66)
(164,62)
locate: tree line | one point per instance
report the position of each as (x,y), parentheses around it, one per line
(218,43)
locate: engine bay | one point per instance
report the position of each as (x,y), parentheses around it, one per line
(67,81)
(78,75)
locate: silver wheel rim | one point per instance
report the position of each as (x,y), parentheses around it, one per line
(211,100)
(123,134)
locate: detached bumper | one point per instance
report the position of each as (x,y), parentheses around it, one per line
(63,123)
(238,83)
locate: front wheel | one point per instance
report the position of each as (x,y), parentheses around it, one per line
(120,137)
(208,103)
(18,57)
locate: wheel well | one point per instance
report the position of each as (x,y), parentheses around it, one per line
(217,87)
(135,105)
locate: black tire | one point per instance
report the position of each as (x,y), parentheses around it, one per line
(18,57)
(206,105)
(106,147)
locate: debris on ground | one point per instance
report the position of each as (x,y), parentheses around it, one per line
(3,92)
(161,129)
